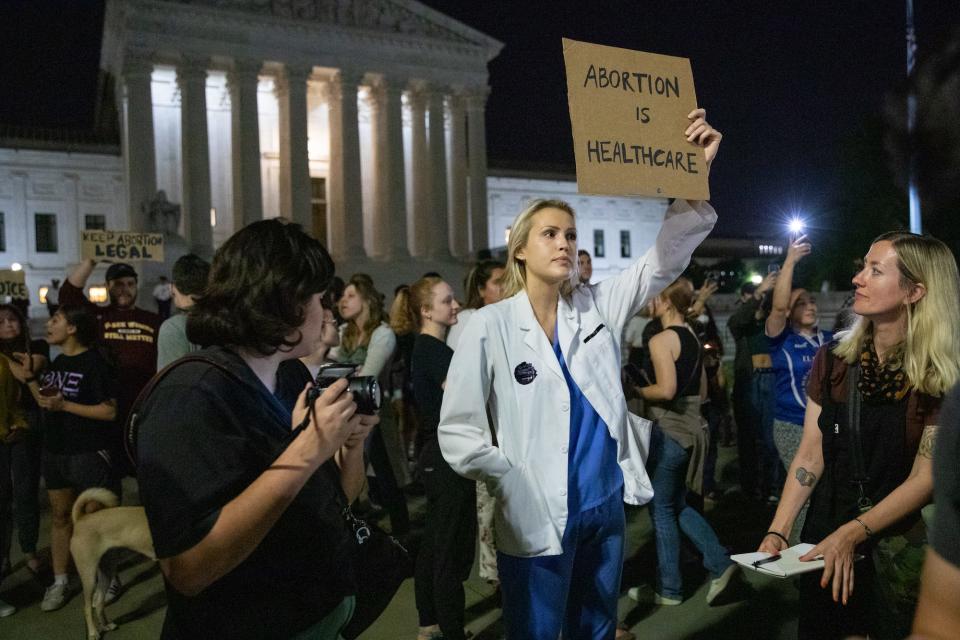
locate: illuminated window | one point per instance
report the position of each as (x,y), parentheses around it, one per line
(213,217)
(97,294)
(43,294)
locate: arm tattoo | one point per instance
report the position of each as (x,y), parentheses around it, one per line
(926,442)
(805,478)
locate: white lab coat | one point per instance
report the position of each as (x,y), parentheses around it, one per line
(527,471)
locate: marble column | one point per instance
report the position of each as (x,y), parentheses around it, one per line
(477,150)
(139,148)
(245,143)
(344,188)
(457,175)
(390,208)
(439,244)
(195,149)
(420,164)
(291,90)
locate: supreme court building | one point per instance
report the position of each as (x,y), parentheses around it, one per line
(363,120)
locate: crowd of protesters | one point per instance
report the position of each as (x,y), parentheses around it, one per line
(527,415)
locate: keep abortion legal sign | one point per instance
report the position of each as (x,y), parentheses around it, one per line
(628,110)
(121,246)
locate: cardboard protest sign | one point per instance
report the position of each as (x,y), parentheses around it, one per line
(13,284)
(629,110)
(121,246)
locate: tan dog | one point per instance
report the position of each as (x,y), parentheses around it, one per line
(98,526)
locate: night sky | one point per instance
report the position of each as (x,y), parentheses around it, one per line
(785,82)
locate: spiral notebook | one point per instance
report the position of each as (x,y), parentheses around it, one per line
(787,565)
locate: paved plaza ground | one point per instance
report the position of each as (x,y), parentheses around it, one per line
(759,609)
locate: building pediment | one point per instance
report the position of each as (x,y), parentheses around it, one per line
(388,16)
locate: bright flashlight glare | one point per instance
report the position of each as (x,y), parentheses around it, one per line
(796,225)
(756,278)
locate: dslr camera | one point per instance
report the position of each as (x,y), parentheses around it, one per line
(365,389)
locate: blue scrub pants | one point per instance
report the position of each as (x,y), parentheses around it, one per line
(575,592)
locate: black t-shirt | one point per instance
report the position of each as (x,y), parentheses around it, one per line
(86,378)
(945,534)
(204,437)
(428,370)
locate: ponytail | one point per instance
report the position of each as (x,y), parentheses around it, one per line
(401,321)
(418,296)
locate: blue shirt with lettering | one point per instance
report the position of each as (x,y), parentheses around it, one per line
(593,472)
(792,355)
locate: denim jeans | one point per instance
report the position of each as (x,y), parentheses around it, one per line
(671,514)
(762,404)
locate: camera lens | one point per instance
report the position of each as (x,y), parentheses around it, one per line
(366,393)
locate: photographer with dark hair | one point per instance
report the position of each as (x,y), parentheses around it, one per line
(190,274)
(245,514)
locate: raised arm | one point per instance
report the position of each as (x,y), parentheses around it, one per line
(81,273)
(777,320)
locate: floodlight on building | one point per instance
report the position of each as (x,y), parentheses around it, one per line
(16,266)
(756,278)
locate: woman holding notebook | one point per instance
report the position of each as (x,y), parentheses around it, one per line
(865,456)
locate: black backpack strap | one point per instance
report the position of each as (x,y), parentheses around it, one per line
(131,426)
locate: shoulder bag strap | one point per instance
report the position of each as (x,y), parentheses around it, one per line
(131,425)
(860,477)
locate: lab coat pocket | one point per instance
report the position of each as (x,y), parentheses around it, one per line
(520,518)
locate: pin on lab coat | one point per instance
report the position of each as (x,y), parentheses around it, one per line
(527,471)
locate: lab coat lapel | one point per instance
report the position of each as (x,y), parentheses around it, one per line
(568,326)
(533,336)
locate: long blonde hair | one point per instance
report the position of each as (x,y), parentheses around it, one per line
(931,350)
(515,276)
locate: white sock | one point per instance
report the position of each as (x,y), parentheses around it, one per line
(60,578)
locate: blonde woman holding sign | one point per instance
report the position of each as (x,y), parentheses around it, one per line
(547,359)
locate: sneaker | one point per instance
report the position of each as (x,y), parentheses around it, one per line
(113,591)
(719,585)
(637,594)
(56,596)
(6,609)
(666,601)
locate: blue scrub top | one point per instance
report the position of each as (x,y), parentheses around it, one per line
(593,473)
(792,355)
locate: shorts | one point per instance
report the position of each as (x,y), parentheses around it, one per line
(79,471)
